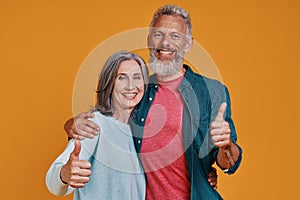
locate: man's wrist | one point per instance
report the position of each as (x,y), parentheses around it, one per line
(229,156)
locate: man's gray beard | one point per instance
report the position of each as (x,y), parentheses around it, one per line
(168,69)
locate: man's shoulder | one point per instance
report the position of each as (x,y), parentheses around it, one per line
(200,79)
(212,81)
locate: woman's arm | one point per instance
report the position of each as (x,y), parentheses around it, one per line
(69,170)
(53,180)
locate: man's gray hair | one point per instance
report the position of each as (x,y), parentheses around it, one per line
(174,10)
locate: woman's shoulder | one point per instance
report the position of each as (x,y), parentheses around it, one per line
(98,116)
(101,120)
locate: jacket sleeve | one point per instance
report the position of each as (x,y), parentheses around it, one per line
(216,104)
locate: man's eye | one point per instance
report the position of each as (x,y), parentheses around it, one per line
(157,35)
(175,36)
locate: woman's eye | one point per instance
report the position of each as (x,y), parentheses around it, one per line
(122,77)
(137,77)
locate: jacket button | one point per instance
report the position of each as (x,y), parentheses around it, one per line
(142,119)
(150,98)
(139,141)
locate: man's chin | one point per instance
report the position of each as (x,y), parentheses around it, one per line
(163,69)
(165,62)
(166,59)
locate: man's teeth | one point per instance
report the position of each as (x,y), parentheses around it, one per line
(165,52)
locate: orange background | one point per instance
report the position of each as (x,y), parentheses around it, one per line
(255,44)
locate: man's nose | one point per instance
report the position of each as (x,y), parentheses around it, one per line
(166,41)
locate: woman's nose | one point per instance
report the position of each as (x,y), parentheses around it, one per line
(130,84)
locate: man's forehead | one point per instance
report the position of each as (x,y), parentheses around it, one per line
(169,22)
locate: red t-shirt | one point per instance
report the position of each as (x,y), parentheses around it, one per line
(162,150)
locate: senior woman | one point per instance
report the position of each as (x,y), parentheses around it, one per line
(106,166)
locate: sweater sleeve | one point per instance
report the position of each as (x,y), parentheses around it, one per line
(53,180)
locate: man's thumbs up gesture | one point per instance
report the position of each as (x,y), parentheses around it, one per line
(76,172)
(220,130)
(220,133)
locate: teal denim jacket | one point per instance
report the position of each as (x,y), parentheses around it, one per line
(202,97)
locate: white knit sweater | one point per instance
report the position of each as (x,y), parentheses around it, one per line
(116,172)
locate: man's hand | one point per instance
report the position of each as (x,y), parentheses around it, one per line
(220,133)
(76,172)
(213,178)
(80,127)
(220,130)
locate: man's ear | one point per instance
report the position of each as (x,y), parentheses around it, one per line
(148,40)
(188,45)
(149,44)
